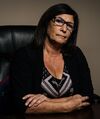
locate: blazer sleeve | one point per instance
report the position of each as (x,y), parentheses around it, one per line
(20,73)
(85,82)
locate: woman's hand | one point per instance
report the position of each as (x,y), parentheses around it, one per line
(78,102)
(33,100)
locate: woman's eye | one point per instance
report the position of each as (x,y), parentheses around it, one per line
(69,25)
(58,20)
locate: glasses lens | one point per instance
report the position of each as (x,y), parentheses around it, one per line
(70,26)
(58,21)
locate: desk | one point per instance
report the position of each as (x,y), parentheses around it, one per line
(87,113)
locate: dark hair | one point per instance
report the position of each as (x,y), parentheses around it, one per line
(51,12)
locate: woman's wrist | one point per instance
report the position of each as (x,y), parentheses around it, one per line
(65,99)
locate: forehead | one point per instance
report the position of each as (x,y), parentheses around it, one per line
(66,17)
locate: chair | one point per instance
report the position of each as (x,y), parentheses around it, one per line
(11,39)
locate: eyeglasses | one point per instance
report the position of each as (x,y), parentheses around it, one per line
(60,22)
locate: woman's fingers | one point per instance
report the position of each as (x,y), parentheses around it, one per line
(40,100)
(83,102)
(80,98)
(82,105)
(27,96)
(29,101)
(34,100)
(78,101)
(84,98)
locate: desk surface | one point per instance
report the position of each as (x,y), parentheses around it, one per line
(87,113)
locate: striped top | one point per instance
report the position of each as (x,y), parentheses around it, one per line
(54,87)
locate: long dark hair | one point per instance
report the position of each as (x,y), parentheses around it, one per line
(51,12)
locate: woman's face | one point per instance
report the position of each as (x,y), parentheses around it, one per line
(60,28)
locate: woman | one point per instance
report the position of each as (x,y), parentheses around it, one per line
(52,75)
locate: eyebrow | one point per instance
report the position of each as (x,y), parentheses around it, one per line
(65,21)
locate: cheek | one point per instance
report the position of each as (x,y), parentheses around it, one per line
(51,31)
(68,35)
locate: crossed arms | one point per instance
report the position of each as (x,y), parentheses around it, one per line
(38,103)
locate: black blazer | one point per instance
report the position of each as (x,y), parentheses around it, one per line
(27,68)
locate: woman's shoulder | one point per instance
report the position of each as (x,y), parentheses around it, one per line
(79,56)
(75,54)
(26,50)
(78,52)
(73,51)
(22,54)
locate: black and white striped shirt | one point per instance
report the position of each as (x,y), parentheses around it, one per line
(56,87)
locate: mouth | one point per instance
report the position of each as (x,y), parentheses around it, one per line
(62,36)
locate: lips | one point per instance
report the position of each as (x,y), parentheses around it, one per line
(61,36)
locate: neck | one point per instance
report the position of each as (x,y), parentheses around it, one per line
(52,49)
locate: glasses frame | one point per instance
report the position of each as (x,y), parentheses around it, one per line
(58,21)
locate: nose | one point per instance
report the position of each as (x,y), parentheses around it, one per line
(64,28)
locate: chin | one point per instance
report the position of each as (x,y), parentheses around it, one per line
(62,41)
